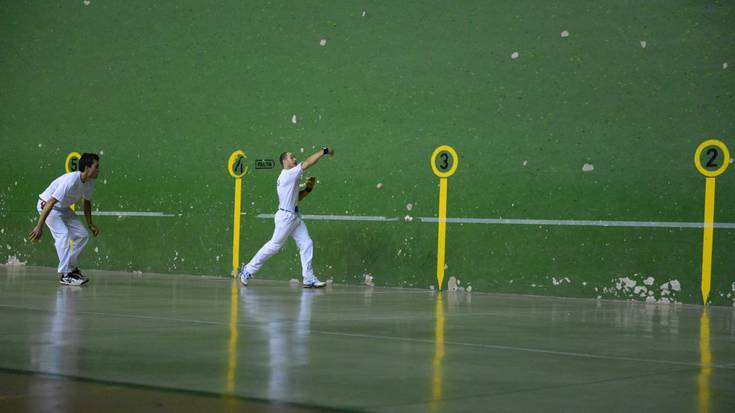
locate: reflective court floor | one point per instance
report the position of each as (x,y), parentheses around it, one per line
(181,343)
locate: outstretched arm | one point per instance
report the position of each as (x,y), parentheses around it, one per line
(313,159)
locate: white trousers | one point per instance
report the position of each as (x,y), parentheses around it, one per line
(287,224)
(65,226)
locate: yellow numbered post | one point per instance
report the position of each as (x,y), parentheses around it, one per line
(71,164)
(237,168)
(711,159)
(447,164)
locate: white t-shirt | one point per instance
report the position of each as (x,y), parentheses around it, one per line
(67,189)
(287,186)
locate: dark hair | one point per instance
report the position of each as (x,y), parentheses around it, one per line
(86,160)
(283,157)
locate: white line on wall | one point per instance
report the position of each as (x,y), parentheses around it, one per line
(129,214)
(337,217)
(486,221)
(506,221)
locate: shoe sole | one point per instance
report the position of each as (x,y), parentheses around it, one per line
(75,284)
(314,286)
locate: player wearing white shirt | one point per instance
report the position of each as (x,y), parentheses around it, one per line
(287,219)
(54,208)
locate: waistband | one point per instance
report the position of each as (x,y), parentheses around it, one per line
(296,211)
(57,207)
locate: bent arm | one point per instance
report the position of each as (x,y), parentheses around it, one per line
(38,229)
(310,182)
(88,217)
(46,210)
(88,212)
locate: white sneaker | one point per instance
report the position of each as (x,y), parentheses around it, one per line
(72,279)
(314,283)
(79,274)
(244,275)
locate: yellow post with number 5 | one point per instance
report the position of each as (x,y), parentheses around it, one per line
(711,159)
(237,168)
(445,167)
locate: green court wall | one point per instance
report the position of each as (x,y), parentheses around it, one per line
(165,91)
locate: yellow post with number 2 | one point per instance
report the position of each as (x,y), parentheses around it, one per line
(448,161)
(237,168)
(717,159)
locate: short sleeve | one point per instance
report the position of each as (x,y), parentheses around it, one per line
(61,190)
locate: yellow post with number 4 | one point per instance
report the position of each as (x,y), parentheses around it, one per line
(447,164)
(711,159)
(237,168)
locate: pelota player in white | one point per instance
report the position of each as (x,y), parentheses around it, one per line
(54,209)
(287,219)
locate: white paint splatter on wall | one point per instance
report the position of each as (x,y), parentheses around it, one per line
(452,284)
(13,261)
(675,285)
(640,290)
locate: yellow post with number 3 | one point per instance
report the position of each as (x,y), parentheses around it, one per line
(447,164)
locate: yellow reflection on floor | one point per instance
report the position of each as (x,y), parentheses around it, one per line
(705,363)
(436,388)
(232,345)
